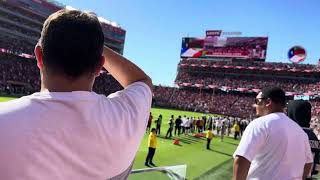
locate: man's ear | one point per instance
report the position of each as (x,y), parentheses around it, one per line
(268,102)
(100,66)
(39,56)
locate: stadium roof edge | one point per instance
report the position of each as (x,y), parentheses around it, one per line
(56,3)
(101,19)
(112,23)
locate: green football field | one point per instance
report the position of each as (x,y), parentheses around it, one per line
(4,99)
(201,163)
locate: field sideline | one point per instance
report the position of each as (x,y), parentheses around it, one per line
(4,99)
(201,163)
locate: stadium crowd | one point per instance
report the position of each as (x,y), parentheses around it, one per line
(248,82)
(274,66)
(26,31)
(23,12)
(15,45)
(20,76)
(228,104)
(20,21)
(236,105)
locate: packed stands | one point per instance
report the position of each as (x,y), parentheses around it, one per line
(218,102)
(246,82)
(222,86)
(20,76)
(23,12)
(215,101)
(229,87)
(248,65)
(20,27)
(249,76)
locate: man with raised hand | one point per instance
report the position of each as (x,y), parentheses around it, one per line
(66,131)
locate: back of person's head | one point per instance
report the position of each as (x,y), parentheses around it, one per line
(153,130)
(72,43)
(300,112)
(275,94)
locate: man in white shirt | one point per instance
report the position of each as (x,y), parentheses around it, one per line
(183,124)
(66,131)
(273,146)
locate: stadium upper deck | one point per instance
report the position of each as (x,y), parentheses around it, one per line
(21,23)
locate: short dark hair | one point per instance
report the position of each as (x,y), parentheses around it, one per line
(276,94)
(72,42)
(153,129)
(300,111)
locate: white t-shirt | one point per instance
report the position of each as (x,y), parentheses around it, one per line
(184,121)
(72,135)
(277,148)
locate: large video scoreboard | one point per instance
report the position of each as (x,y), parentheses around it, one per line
(216,45)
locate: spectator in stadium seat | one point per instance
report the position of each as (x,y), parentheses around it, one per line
(66,131)
(300,111)
(272,146)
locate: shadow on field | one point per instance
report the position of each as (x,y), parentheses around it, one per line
(231,143)
(183,139)
(221,152)
(191,138)
(221,172)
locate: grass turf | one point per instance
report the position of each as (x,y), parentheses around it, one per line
(191,152)
(4,99)
(201,163)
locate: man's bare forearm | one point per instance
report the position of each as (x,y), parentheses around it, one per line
(306,170)
(240,168)
(123,70)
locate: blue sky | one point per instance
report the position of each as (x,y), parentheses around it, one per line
(155,27)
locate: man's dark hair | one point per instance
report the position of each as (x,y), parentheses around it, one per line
(300,111)
(72,43)
(153,129)
(276,94)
